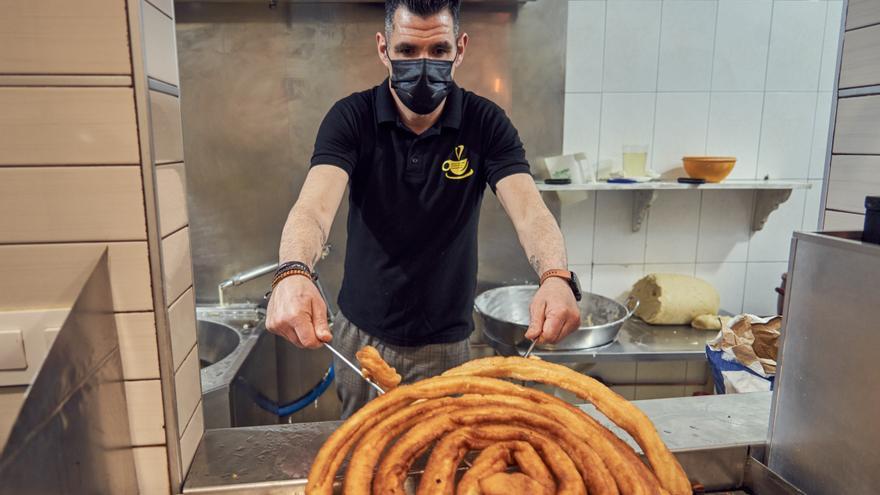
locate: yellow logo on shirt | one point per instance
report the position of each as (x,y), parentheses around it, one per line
(458,168)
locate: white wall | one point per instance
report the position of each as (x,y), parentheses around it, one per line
(750,78)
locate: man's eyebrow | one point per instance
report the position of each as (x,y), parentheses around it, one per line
(443,44)
(403,46)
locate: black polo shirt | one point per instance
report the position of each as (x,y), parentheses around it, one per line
(414,205)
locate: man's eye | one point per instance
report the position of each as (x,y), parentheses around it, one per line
(439,52)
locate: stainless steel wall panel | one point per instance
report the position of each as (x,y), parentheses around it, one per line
(256,83)
(823,433)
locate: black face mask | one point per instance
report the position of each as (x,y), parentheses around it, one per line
(421,84)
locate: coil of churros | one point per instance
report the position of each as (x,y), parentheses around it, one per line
(527,441)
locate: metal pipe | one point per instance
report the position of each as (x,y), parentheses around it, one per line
(243,277)
(248,275)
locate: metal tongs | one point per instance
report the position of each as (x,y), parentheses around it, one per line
(333,349)
(355,368)
(529,350)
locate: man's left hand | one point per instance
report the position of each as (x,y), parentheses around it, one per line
(554,312)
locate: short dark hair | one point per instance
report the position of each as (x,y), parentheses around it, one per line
(422,8)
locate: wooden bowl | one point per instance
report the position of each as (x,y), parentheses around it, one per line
(708,168)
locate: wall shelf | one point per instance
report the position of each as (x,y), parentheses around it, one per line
(769,194)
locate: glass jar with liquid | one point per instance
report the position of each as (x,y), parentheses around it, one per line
(635,160)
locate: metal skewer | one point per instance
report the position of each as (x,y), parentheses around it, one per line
(355,368)
(529,351)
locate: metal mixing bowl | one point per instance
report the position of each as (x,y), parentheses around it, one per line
(505,315)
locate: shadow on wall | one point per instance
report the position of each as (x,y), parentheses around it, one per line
(74,418)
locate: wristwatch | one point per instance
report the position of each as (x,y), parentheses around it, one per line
(569,276)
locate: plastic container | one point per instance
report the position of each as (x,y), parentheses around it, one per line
(871,233)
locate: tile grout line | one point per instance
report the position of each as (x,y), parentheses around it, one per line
(593,240)
(599,141)
(745,276)
(699,232)
(599,132)
(647,221)
(711,83)
(651,150)
(764,95)
(822,51)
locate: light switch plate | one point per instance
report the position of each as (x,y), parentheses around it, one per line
(12,355)
(33,326)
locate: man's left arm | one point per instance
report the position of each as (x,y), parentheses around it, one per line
(554,311)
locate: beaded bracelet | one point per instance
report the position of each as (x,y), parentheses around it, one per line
(281,276)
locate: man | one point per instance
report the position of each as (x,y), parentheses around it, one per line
(418,152)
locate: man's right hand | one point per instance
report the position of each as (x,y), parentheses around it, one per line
(298,313)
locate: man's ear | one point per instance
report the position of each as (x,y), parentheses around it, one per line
(382,50)
(462,47)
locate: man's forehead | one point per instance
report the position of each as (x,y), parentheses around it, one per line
(413,27)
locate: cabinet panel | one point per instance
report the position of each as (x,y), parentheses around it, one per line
(852,177)
(171,191)
(189,439)
(151,467)
(858,125)
(836,220)
(182,323)
(48,275)
(67,204)
(166,6)
(137,345)
(188,387)
(67,126)
(145,415)
(64,37)
(166,126)
(862,13)
(860,65)
(160,48)
(176,264)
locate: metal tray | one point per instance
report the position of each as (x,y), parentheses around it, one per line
(505,315)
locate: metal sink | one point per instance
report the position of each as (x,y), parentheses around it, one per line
(237,359)
(216,342)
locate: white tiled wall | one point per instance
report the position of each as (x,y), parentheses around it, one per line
(750,78)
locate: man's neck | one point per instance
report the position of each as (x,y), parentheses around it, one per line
(415,122)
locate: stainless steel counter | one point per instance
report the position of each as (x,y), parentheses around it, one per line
(639,341)
(711,435)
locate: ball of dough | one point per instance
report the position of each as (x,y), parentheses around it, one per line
(674,299)
(709,322)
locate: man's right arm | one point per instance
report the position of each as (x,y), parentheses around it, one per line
(296,310)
